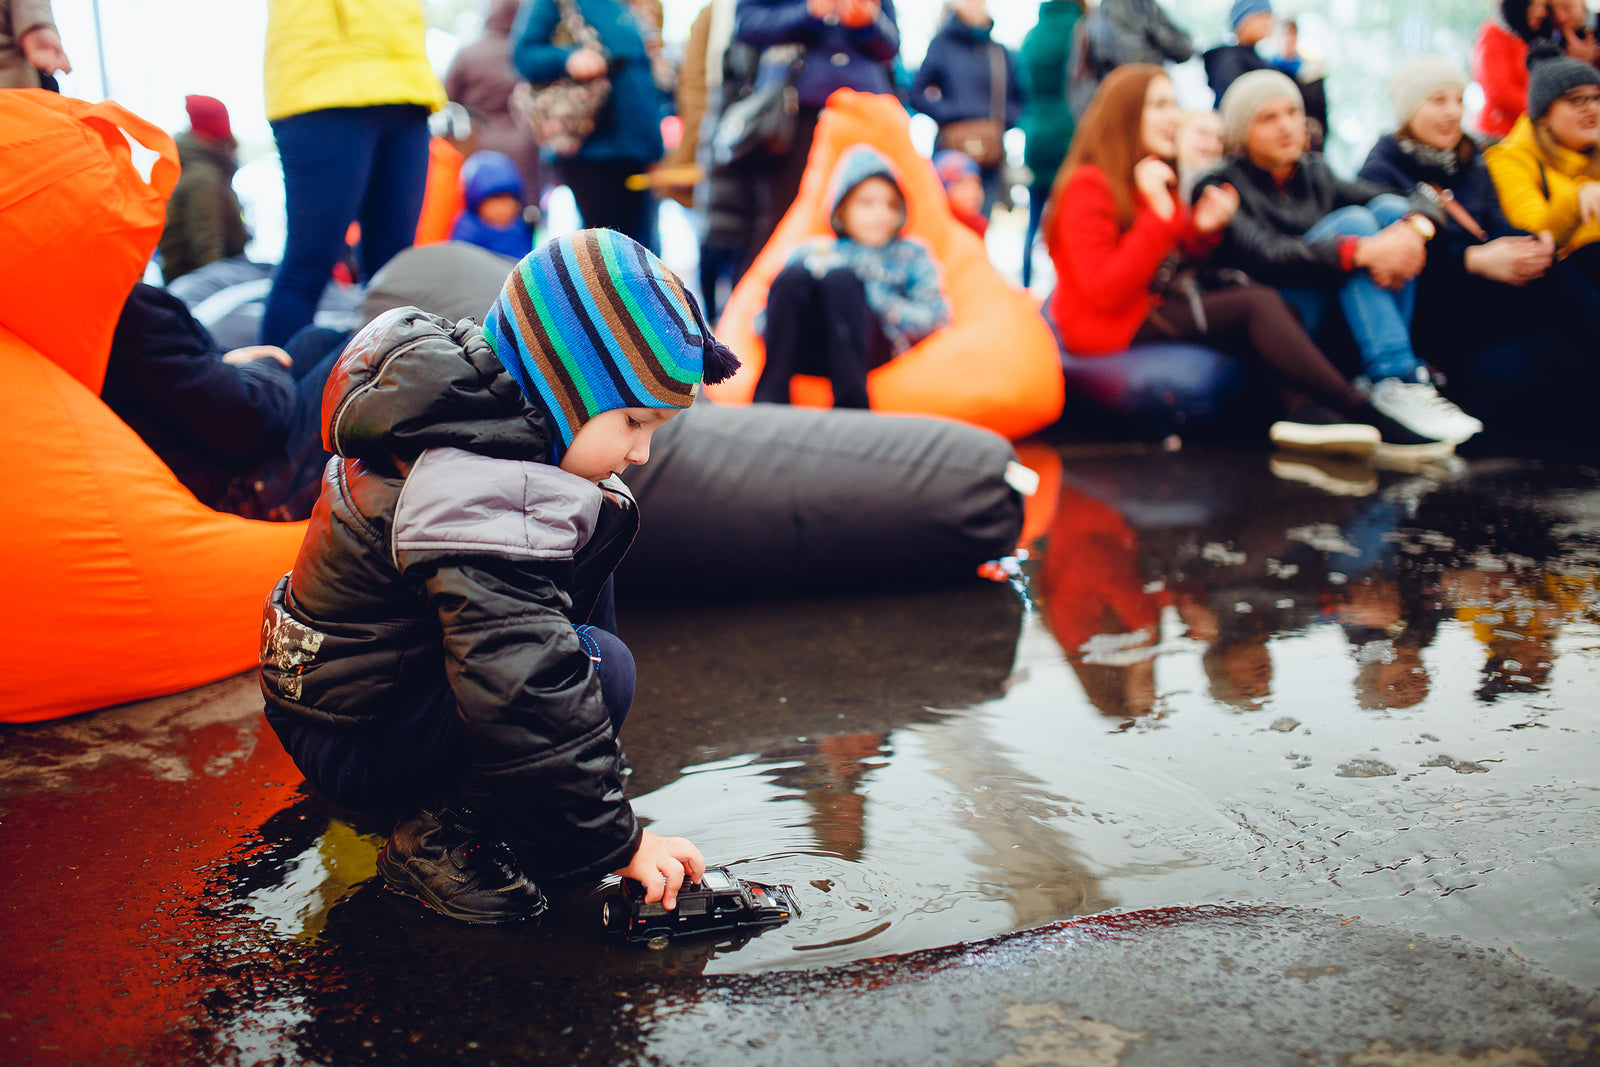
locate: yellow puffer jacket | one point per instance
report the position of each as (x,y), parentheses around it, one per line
(347,53)
(1539,189)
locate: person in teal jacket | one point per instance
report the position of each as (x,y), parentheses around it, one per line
(1047,120)
(627,133)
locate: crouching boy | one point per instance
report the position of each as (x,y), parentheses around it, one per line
(437,651)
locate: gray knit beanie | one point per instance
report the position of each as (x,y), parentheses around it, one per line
(1416,79)
(1552,79)
(1245,98)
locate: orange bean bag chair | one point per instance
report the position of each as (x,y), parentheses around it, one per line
(121,585)
(996,365)
(442,199)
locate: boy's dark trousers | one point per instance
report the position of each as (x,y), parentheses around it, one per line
(821,325)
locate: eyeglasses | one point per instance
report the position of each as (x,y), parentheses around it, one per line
(1583,99)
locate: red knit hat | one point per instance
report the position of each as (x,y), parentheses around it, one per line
(208,118)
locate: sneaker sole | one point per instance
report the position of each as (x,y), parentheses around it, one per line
(1340,439)
(398,880)
(1401,456)
(1359,481)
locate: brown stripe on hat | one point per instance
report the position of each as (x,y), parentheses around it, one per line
(542,348)
(668,387)
(617,316)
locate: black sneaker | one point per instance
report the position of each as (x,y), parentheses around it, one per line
(443,859)
(1311,427)
(1402,445)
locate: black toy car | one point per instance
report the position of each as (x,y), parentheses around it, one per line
(718,903)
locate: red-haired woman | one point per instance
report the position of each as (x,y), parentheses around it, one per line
(1115,221)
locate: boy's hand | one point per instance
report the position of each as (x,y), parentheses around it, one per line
(240,356)
(660,865)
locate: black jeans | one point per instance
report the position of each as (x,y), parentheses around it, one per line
(605,201)
(1254,323)
(821,326)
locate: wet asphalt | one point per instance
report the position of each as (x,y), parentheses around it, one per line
(1231,841)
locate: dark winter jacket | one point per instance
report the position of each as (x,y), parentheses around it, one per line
(1265,238)
(209,421)
(837,56)
(1389,164)
(955,79)
(1226,63)
(731,199)
(1042,68)
(204,220)
(629,124)
(448,561)
(1137,31)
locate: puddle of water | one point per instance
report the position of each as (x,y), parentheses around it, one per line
(1221,685)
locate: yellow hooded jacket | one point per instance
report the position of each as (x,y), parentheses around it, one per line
(1539,188)
(347,53)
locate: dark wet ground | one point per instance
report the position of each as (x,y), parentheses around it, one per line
(1363,704)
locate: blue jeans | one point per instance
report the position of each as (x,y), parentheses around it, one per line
(1379,318)
(1038,193)
(343,165)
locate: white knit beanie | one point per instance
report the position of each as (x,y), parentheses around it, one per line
(1418,77)
(1245,98)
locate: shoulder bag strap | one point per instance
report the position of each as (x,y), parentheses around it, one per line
(997,85)
(1453,208)
(584,34)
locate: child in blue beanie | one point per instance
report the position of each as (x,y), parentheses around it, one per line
(1251,22)
(846,304)
(494,218)
(443,649)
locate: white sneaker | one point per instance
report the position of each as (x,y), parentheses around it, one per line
(1419,408)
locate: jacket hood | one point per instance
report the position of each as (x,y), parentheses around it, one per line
(488,173)
(958,30)
(502,16)
(855,166)
(194,150)
(410,381)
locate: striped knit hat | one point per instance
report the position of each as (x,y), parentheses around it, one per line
(592,321)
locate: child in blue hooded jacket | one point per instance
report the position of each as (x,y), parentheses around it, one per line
(844,305)
(495,216)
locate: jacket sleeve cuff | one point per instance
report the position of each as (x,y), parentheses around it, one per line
(1347,253)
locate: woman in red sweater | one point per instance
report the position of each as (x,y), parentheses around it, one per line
(1113,225)
(1500,62)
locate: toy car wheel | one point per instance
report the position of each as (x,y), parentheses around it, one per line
(613,914)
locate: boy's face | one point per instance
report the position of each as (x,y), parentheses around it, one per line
(500,210)
(613,441)
(1254,29)
(872,213)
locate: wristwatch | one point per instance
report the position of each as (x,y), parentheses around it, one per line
(1422,224)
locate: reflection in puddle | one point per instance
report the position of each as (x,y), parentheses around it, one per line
(1223,680)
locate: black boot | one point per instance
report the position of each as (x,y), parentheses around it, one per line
(444,858)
